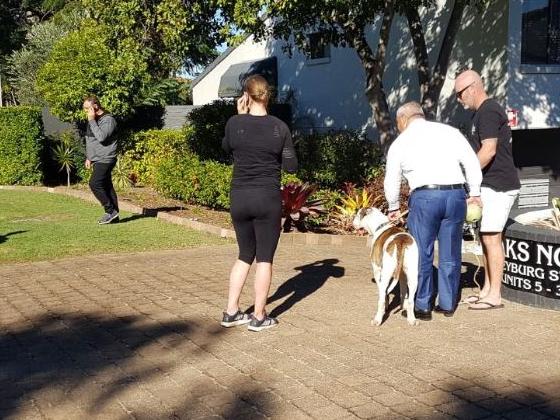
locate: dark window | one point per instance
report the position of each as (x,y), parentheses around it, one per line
(540,41)
(318,47)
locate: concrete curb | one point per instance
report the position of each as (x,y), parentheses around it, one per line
(285,238)
(196,225)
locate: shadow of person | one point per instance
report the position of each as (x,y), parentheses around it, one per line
(310,279)
(133,218)
(4,238)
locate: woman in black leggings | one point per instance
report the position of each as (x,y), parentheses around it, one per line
(261,146)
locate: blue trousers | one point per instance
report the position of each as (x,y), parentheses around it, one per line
(438,214)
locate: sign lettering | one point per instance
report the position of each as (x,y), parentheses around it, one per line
(532,267)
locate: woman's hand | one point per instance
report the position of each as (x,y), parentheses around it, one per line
(243,104)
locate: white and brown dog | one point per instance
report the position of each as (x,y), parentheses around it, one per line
(393,253)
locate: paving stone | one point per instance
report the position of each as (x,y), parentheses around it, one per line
(463,410)
(474,394)
(137,335)
(499,405)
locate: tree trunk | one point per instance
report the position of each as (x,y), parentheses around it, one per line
(420,49)
(431,98)
(374,67)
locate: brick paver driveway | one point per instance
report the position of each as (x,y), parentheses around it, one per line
(137,336)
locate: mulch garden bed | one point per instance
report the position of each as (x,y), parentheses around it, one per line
(150,199)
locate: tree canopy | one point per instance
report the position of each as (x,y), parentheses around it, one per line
(126,52)
(171,34)
(82,63)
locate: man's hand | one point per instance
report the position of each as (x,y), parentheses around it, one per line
(90,114)
(475,200)
(394,215)
(243,104)
(88,163)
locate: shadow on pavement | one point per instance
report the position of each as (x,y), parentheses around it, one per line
(64,351)
(500,398)
(310,279)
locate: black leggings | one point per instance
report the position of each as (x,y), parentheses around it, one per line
(102,186)
(256,215)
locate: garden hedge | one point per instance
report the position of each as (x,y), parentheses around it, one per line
(21,145)
(336,157)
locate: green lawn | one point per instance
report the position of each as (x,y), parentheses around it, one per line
(42,226)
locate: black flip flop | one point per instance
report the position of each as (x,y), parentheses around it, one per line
(488,307)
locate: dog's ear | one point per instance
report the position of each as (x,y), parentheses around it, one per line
(369,210)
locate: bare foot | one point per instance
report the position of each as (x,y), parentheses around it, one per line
(471,299)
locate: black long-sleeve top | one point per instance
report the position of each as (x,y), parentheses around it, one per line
(261,147)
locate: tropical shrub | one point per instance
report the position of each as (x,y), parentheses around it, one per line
(376,189)
(64,153)
(352,200)
(21,145)
(332,158)
(297,205)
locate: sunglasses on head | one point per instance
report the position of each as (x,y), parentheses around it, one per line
(460,93)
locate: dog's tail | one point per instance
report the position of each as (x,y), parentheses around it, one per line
(400,242)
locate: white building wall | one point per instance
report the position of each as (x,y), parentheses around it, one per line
(331,95)
(532,90)
(206,90)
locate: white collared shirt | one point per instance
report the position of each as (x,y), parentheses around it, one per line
(430,153)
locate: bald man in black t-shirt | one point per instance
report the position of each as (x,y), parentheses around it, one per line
(491,140)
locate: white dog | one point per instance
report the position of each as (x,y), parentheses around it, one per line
(393,251)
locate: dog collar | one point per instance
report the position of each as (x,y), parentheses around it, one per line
(381,226)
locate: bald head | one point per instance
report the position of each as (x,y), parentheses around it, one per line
(468,77)
(408,112)
(469,89)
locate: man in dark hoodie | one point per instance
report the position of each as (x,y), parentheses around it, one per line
(101,154)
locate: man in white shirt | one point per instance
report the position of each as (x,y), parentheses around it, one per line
(434,158)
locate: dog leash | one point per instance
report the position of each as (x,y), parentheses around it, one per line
(399,220)
(474,232)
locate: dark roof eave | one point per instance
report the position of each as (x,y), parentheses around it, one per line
(217,61)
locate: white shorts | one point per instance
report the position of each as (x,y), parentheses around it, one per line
(496,206)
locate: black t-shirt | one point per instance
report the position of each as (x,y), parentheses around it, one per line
(261,147)
(490,121)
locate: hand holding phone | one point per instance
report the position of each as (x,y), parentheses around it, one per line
(90,113)
(243,104)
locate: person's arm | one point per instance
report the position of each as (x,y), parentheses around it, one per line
(470,163)
(488,131)
(102,129)
(487,152)
(392,182)
(226,145)
(289,158)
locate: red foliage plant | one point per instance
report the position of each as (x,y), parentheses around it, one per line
(296,205)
